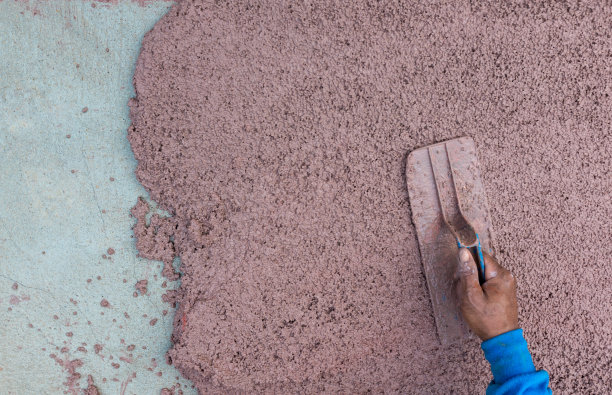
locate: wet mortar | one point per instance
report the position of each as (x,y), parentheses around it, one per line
(276,134)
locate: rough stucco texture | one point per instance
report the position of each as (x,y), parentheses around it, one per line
(276,135)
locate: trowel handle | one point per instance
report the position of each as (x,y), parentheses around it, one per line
(476,251)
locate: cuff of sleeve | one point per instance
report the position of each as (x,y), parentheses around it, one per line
(508,355)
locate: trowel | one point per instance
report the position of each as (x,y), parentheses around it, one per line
(449,211)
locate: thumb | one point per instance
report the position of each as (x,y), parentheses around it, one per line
(493,268)
(467,273)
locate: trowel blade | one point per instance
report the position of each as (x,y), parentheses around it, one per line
(437,243)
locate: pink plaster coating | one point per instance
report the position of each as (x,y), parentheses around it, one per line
(276,132)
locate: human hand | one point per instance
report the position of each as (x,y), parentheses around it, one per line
(490,309)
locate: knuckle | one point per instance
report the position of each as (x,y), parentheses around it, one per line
(508,277)
(471,297)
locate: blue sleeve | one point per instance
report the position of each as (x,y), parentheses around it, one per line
(512,366)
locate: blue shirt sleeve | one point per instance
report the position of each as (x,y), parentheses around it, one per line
(512,366)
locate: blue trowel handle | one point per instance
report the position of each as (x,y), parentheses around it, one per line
(476,251)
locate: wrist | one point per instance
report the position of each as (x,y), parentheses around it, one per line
(490,334)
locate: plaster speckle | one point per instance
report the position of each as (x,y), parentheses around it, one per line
(141,286)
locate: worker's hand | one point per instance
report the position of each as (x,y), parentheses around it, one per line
(490,309)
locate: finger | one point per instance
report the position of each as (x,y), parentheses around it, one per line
(467,273)
(492,267)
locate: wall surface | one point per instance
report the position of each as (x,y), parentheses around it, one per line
(313,105)
(65,201)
